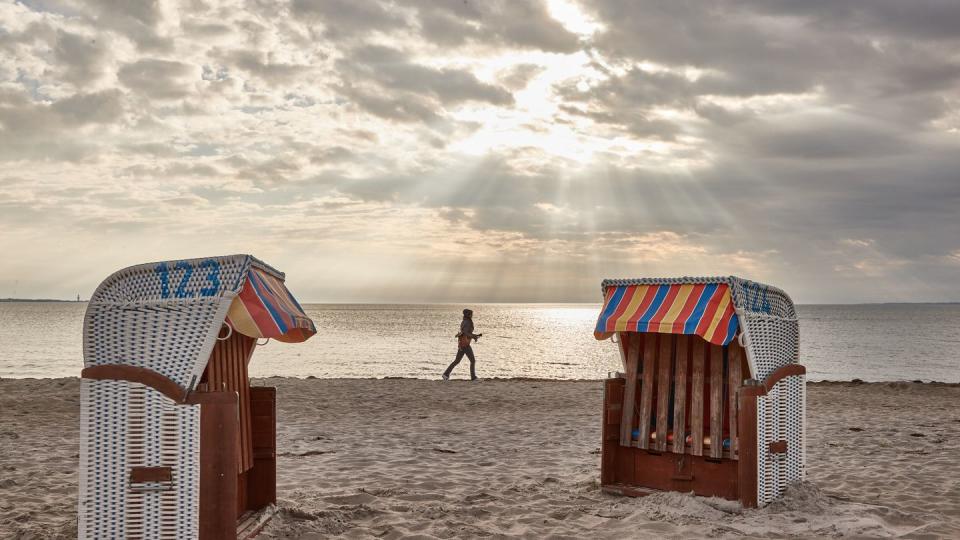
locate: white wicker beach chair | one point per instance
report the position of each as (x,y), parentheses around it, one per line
(712,390)
(146,394)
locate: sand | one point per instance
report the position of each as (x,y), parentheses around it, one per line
(512,458)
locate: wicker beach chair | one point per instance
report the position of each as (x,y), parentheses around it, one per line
(171,432)
(712,399)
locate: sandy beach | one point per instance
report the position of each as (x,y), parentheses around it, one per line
(402,458)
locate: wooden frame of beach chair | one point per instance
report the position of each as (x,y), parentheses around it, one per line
(174,442)
(711,400)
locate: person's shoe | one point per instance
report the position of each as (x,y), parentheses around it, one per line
(476,379)
(445,377)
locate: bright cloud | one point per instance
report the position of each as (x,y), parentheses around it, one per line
(521,150)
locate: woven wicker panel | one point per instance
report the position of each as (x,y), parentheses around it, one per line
(165,321)
(126,425)
(768,320)
(188,278)
(103,432)
(780,417)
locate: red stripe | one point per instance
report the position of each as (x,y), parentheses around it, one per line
(720,332)
(688,308)
(624,302)
(280,295)
(710,310)
(270,296)
(260,315)
(644,305)
(665,306)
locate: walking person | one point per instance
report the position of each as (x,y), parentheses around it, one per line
(463,346)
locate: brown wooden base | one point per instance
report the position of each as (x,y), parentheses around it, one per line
(642,471)
(224,494)
(632,471)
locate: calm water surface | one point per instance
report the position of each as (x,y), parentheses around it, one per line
(871,342)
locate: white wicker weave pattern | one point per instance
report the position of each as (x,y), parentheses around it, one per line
(125,425)
(138,318)
(162,434)
(780,417)
(768,320)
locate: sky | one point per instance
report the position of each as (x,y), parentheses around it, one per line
(485,151)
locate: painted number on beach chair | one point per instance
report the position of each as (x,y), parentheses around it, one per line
(760,303)
(187,272)
(213,278)
(164,273)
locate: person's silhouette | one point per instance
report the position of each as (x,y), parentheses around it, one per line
(463,346)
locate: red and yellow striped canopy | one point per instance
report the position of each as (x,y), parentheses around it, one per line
(704,309)
(265,308)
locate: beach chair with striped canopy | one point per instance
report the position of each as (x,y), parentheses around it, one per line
(712,397)
(174,442)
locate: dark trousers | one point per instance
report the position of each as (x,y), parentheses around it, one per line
(468,350)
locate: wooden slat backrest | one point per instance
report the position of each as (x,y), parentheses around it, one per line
(227,370)
(696,397)
(680,394)
(646,390)
(716,401)
(735,358)
(630,389)
(664,376)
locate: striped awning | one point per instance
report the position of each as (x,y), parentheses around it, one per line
(704,309)
(265,308)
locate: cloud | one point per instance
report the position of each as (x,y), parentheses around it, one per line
(258,64)
(159,79)
(390,69)
(345,18)
(811,144)
(32,130)
(515,23)
(83,58)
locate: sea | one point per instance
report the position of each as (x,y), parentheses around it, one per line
(871,342)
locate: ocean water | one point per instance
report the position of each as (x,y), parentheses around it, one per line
(882,342)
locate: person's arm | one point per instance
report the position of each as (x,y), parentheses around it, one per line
(466,328)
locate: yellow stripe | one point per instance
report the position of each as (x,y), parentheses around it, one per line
(721,309)
(620,325)
(241,319)
(666,324)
